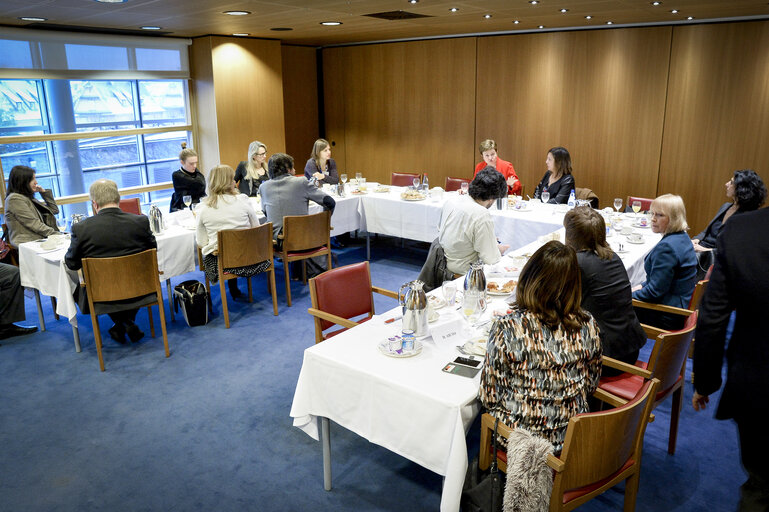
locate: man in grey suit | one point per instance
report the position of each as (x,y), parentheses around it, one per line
(108,234)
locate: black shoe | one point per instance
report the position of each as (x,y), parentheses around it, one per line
(11,330)
(134,333)
(336,243)
(236,295)
(117,333)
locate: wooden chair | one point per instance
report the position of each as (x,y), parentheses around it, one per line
(304,236)
(586,194)
(131,205)
(403,179)
(239,248)
(646,203)
(125,277)
(600,450)
(453,184)
(667,363)
(341,294)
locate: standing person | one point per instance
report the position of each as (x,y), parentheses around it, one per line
(558,180)
(488,150)
(28,219)
(111,232)
(466,230)
(224,208)
(188,180)
(739,283)
(320,165)
(11,303)
(251,173)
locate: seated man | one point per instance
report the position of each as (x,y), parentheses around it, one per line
(108,234)
(466,228)
(11,303)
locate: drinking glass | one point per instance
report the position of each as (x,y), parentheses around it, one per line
(449,292)
(343,178)
(545,196)
(187,200)
(636,206)
(415,181)
(463,188)
(61,223)
(618,204)
(358,176)
(470,306)
(194,209)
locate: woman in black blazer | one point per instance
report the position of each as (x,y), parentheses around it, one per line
(605,286)
(558,180)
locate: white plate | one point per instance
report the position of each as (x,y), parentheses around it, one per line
(499,282)
(436,301)
(623,251)
(519,209)
(476,347)
(637,242)
(384,347)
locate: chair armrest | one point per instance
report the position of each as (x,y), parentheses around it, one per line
(652,332)
(332,318)
(606,397)
(625,367)
(662,307)
(385,292)
(555,463)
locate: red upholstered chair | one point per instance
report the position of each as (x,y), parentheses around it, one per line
(341,294)
(131,205)
(646,203)
(403,179)
(600,450)
(455,183)
(667,363)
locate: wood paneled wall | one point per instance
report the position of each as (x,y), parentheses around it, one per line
(238,89)
(300,101)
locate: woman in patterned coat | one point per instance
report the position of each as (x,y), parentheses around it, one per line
(543,359)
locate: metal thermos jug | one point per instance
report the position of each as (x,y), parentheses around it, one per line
(475,279)
(414,302)
(156,220)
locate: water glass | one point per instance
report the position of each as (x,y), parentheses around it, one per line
(187,200)
(343,178)
(545,196)
(464,187)
(618,204)
(449,292)
(415,181)
(61,223)
(358,176)
(470,303)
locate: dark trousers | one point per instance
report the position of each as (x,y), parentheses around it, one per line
(11,295)
(754,493)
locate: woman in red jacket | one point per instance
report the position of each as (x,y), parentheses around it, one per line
(488,150)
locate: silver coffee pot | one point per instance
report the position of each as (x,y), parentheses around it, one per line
(156,220)
(475,279)
(414,302)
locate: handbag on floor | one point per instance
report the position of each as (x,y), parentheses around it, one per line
(193,298)
(483,490)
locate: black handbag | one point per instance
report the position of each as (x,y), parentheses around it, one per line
(192,297)
(483,491)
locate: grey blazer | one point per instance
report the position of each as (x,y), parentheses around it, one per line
(290,195)
(29,219)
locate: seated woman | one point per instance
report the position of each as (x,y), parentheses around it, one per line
(28,219)
(320,165)
(543,359)
(558,180)
(252,172)
(605,286)
(466,230)
(671,266)
(488,150)
(224,208)
(188,181)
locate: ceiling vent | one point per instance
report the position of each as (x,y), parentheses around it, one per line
(397,15)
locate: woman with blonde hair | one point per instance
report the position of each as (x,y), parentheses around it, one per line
(188,180)
(320,165)
(543,359)
(671,266)
(224,208)
(251,173)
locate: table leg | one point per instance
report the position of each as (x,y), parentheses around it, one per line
(76,335)
(368,246)
(40,316)
(325,438)
(170,298)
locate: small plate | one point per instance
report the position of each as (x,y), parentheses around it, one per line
(436,301)
(384,347)
(500,282)
(637,242)
(476,347)
(413,198)
(519,209)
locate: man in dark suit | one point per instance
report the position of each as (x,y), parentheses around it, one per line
(11,303)
(740,282)
(111,233)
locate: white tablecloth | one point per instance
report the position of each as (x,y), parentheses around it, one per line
(408,406)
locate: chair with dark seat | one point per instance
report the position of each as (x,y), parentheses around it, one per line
(341,294)
(241,248)
(304,237)
(403,179)
(600,450)
(131,205)
(120,279)
(646,203)
(453,184)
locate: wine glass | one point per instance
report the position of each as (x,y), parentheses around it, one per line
(470,303)
(61,223)
(464,187)
(545,196)
(636,206)
(415,181)
(618,204)
(449,292)
(187,200)
(358,176)
(343,178)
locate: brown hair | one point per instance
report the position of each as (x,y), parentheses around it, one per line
(586,231)
(319,146)
(186,153)
(487,145)
(219,183)
(562,160)
(550,287)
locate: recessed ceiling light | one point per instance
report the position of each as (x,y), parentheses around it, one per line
(690,17)
(453,9)
(674,11)
(516,22)
(237,13)
(32,18)
(240,34)
(413,1)
(487,16)
(564,10)
(656,3)
(541,26)
(150,27)
(610,23)
(588,17)
(533,2)
(330,23)
(111,1)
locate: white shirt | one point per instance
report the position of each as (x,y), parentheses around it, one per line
(231,212)
(467,234)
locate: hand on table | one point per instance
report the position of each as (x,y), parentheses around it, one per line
(503,248)
(319,176)
(699,402)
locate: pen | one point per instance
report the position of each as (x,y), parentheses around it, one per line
(391,320)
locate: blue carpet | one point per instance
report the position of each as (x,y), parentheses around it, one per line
(208,428)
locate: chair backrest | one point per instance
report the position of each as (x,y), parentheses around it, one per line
(669,354)
(242,247)
(699,291)
(598,444)
(343,291)
(646,203)
(403,179)
(455,183)
(586,194)
(131,205)
(123,277)
(303,232)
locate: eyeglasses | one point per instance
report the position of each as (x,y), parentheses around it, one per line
(657,214)
(261,154)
